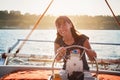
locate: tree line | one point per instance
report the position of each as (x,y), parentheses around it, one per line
(16,20)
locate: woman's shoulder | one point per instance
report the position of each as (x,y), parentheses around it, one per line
(83,36)
(58,40)
(81,39)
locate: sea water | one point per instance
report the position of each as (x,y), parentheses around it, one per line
(9,37)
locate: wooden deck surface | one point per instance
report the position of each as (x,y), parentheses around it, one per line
(44,74)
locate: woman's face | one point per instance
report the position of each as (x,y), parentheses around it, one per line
(64,28)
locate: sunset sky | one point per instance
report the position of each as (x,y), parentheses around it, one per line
(62,7)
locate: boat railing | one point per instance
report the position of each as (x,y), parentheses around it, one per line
(104,62)
(33,58)
(94,43)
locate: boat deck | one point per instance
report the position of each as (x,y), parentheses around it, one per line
(42,74)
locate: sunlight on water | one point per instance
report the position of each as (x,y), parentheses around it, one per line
(9,37)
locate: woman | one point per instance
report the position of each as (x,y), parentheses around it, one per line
(67,35)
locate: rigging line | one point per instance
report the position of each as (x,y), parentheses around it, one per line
(112,13)
(35,26)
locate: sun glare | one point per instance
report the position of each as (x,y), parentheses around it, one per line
(66,7)
(83,7)
(61,7)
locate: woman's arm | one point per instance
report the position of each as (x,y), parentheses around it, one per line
(90,53)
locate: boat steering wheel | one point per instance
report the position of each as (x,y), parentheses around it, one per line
(77,46)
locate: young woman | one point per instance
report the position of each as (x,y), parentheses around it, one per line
(67,35)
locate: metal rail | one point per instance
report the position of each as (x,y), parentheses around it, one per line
(94,43)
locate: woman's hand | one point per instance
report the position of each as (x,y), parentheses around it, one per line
(61,52)
(91,54)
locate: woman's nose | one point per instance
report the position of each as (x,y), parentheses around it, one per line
(61,27)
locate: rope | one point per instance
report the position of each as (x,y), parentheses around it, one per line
(113,13)
(35,26)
